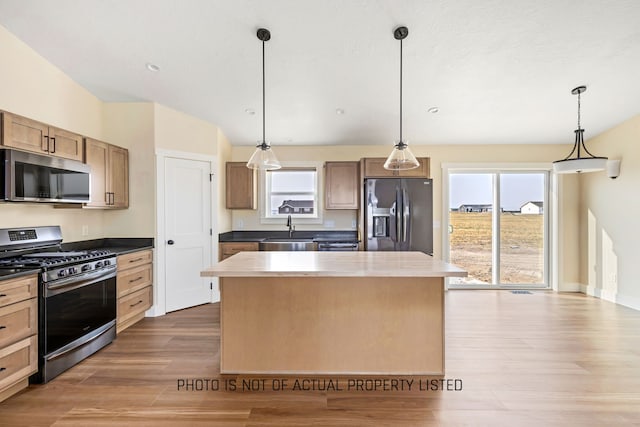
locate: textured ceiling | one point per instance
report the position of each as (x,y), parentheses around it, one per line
(500,71)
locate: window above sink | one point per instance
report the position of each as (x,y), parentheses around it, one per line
(292,191)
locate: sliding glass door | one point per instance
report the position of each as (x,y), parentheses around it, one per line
(498,224)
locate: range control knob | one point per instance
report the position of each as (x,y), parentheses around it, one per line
(107,262)
(73,270)
(99,264)
(62,273)
(86,267)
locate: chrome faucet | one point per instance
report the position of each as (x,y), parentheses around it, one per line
(292,227)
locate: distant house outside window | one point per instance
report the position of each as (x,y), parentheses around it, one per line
(291,191)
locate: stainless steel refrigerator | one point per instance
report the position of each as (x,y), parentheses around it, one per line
(399,214)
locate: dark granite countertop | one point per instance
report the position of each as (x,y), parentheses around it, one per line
(118,246)
(12,273)
(346,236)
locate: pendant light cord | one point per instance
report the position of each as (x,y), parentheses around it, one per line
(263,98)
(401,92)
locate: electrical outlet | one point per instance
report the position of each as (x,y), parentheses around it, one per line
(329,223)
(85,230)
(354,223)
(240,224)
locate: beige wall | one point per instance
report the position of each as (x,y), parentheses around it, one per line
(131,125)
(608,212)
(32,87)
(438,154)
(177,131)
(224,155)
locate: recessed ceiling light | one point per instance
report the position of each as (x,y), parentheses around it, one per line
(433,110)
(250,111)
(152,67)
(339,111)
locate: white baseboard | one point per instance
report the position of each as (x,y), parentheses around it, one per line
(570,287)
(627,301)
(154,312)
(590,290)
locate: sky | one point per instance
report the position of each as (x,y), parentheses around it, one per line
(516,189)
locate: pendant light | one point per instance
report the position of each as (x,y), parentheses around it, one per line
(578,164)
(263,158)
(401,158)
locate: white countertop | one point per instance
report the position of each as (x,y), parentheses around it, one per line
(333,264)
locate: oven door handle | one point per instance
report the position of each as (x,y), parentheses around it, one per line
(84,341)
(75,282)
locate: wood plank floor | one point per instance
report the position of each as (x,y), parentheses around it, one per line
(524,360)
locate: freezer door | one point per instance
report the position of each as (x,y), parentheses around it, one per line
(382,220)
(416,215)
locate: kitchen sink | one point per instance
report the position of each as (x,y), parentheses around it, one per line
(288,244)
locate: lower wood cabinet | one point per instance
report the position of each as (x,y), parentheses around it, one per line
(134,283)
(231,248)
(18,333)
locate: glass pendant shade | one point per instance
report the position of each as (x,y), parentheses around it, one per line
(263,158)
(401,158)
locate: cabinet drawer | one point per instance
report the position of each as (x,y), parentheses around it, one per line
(133,279)
(20,289)
(135,259)
(18,361)
(231,248)
(133,304)
(18,321)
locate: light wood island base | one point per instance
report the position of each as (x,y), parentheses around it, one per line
(318,313)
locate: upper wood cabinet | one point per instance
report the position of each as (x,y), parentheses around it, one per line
(341,185)
(29,135)
(241,183)
(373,167)
(109,174)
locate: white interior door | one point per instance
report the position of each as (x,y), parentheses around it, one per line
(187,232)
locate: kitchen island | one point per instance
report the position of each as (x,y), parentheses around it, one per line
(374,313)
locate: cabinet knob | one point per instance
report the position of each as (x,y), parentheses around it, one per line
(170,242)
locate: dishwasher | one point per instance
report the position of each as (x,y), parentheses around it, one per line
(337,246)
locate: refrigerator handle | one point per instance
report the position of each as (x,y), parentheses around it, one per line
(399,208)
(406,215)
(393,222)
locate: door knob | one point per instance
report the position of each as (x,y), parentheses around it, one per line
(170,242)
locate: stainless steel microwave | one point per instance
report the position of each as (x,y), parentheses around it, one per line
(29,177)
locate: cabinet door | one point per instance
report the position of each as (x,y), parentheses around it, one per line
(24,134)
(228,249)
(341,185)
(65,144)
(118,176)
(240,186)
(96,154)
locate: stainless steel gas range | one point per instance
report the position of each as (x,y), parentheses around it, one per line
(76,296)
